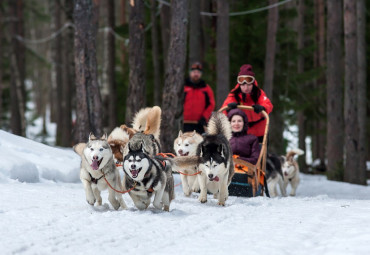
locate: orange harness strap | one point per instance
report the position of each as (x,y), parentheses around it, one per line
(122,192)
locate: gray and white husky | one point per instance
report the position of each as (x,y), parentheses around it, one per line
(216,162)
(147,176)
(97,163)
(290,170)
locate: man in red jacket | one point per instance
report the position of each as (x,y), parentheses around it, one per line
(199,101)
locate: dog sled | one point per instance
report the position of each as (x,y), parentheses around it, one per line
(250,180)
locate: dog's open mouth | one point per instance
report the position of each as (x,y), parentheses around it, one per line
(285,173)
(214,179)
(135,172)
(184,154)
(96,163)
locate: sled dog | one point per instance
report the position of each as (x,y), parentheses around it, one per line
(216,162)
(97,164)
(147,176)
(146,125)
(186,144)
(290,170)
(117,140)
(274,175)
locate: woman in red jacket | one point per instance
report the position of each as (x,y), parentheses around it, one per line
(247,92)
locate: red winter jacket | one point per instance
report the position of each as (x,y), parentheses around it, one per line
(199,101)
(257,129)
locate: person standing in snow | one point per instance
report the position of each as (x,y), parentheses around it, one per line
(199,101)
(247,92)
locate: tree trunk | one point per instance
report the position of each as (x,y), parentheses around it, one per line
(351,170)
(123,22)
(194,32)
(136,92)
(206,28)
(174,82)
(361,92)
(165,31)
(109,91)
(56,71)
(68,77)
(155,55)
(88,100)
(222,52)
(335,125)
(300,69)
(17,102)
(272,25)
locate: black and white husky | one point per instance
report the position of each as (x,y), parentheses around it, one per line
(147,175)
(216,162)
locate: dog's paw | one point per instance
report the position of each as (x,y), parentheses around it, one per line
(221,203)
(115,204)
(166,208)
(203,199)
(158,205)
(292,194)
(187,193)
(90,201)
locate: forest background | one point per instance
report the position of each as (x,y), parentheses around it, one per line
(89,65)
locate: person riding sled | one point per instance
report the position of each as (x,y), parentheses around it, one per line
(247,92)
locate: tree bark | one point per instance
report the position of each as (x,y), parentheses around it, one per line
(272,25)
(17,102)
(136,92)
(335,125)
(68,77)
(300,69)
(165,31)
(361,92)
(222,52)
(206,29)
(194,32)
(88,100)
(351,170)
(155,55)
(174,82)
(109,91)
(56,71)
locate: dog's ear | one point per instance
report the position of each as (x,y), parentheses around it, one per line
(104,137)
(194,132)
(129,147)
(91,136)
(141,147)
(180,133)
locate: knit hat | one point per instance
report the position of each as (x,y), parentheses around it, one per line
(246,70)
(196,66)
(239,112)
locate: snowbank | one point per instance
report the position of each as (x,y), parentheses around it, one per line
(28,161)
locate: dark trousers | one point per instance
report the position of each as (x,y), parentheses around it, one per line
(191,127)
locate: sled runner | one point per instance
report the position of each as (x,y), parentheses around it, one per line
(249,180)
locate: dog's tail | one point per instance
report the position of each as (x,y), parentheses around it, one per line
(219,124)
(293,152)
(183,163)
(148,121)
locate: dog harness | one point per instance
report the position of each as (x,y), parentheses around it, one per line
(94,180)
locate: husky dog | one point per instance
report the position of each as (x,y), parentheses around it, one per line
(146,126)
(97,164)
(117,141)
(147,176)
(186,144)
(216,162)
(290,170)
(274,175)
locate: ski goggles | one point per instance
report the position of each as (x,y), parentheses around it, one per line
(248,79)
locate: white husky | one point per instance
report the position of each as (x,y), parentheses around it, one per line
(97,164)
(290,170)
(186,144)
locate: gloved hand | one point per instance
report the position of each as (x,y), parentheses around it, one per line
(258,108)
(202,122)
(232,105)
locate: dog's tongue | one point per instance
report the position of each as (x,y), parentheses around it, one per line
(216,179)
(95,165)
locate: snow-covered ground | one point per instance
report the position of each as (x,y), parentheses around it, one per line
(43,211)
